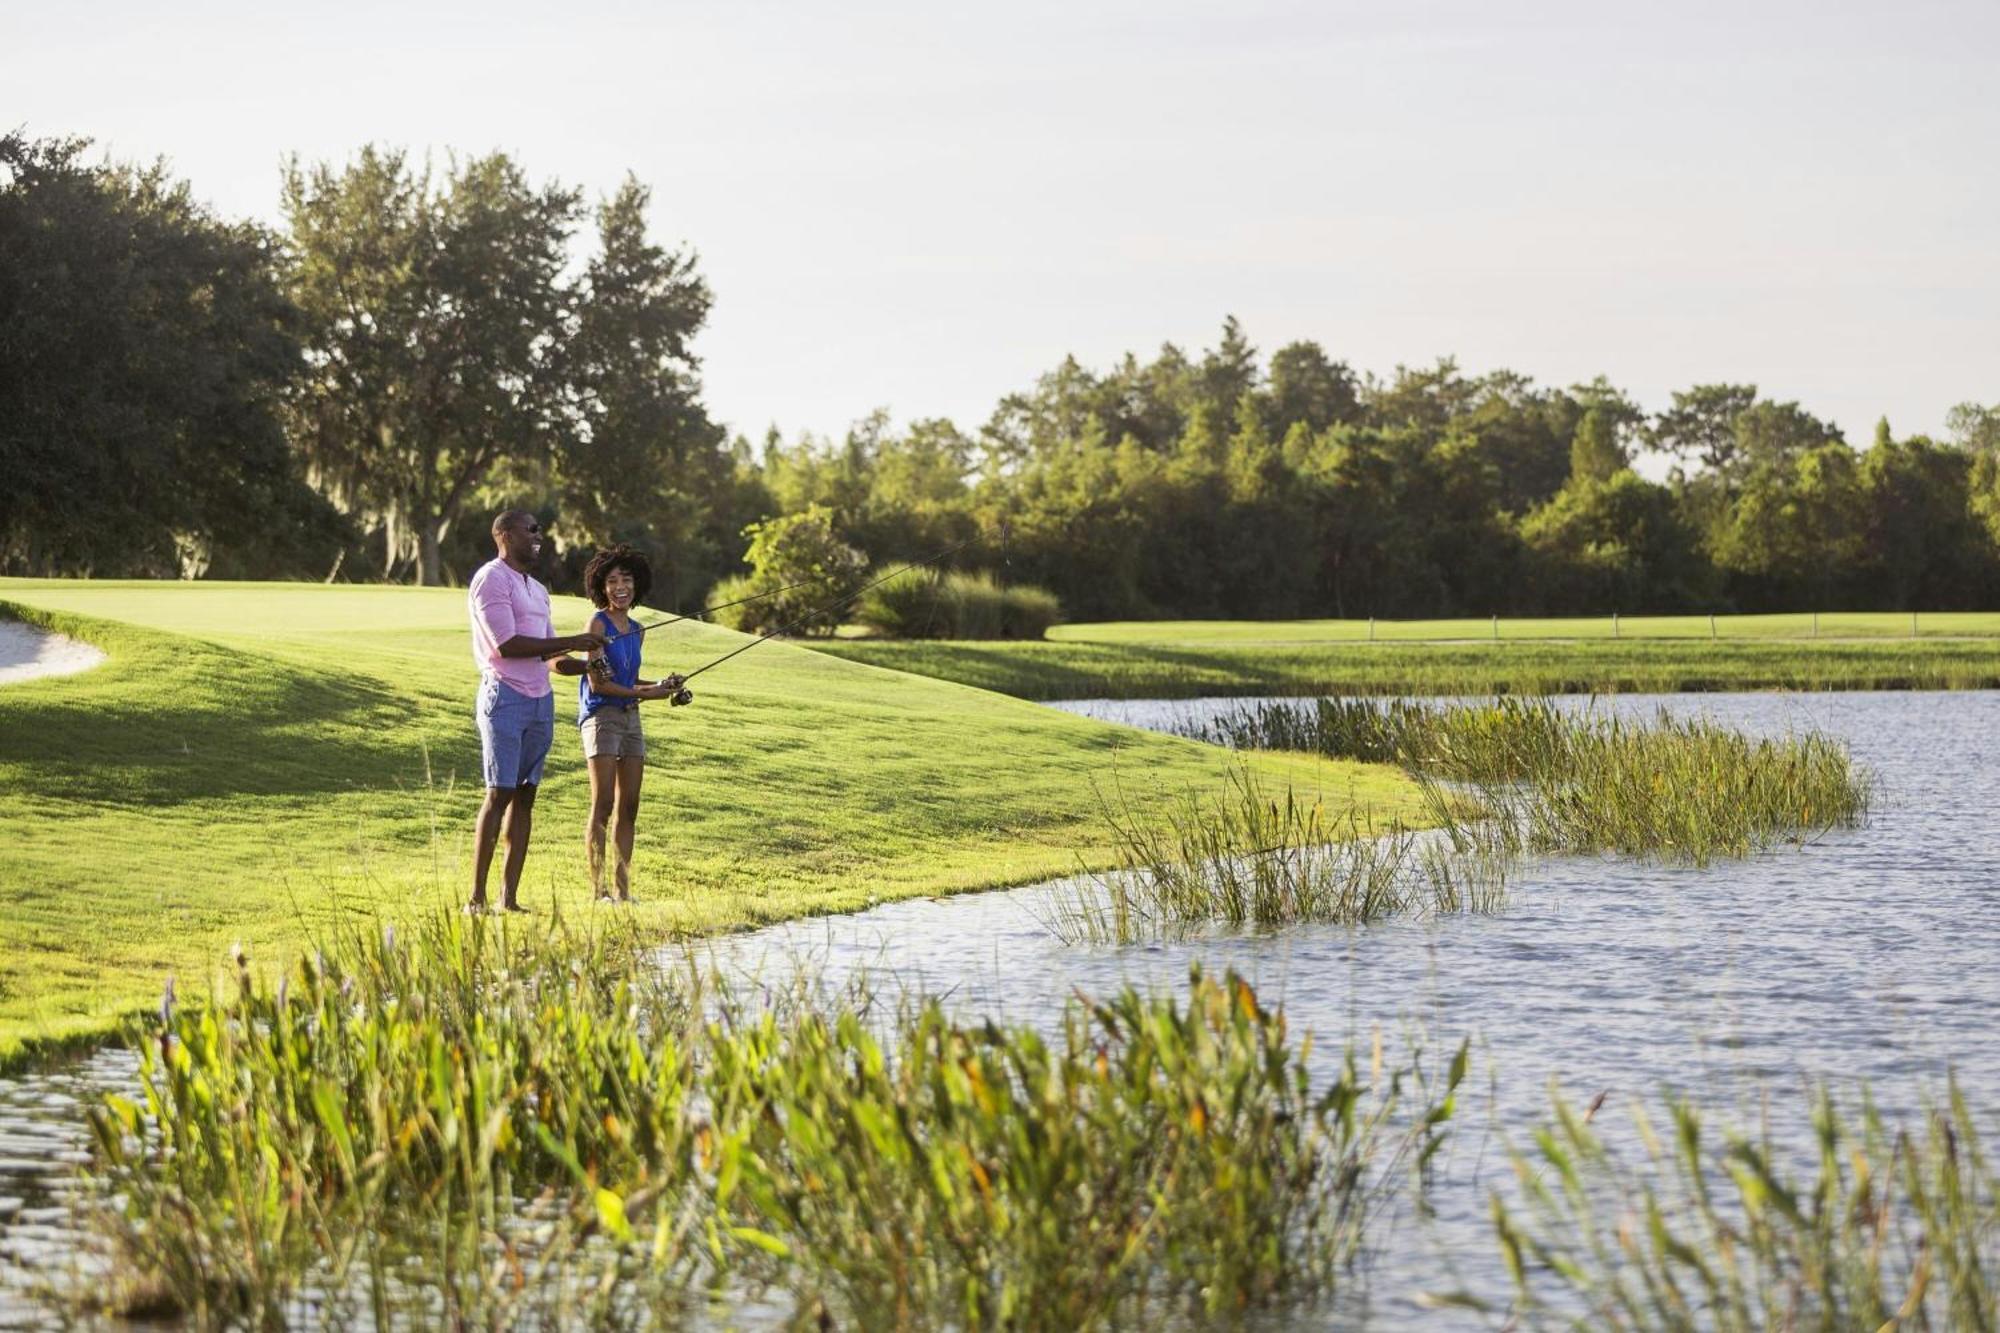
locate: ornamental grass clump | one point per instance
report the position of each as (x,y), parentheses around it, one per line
(935,604)
(1888,1228)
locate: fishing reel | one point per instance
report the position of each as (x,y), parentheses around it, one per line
(680,697)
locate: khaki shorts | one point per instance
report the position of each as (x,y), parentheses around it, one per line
(614,733)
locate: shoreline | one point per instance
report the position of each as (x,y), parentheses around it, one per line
(1045,671)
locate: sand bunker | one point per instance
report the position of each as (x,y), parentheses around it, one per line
(27,653)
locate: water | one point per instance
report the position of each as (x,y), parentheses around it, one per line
(1866,956)
(43,1138)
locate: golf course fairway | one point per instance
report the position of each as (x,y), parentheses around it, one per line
(256,761)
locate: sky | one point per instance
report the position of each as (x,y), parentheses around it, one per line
(923,206)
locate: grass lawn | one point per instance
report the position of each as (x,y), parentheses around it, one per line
(254,759)
(1792,626)
(1189,668)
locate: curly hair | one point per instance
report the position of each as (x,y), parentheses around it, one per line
(622,557)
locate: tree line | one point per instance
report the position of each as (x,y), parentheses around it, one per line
(1226,484)
(350,394)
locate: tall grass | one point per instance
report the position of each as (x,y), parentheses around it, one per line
(1251,859)
(1888,1229)
(1684,790)
(1496,780)
(466,1125)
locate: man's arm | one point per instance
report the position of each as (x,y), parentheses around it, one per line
(523,646)
(496,612)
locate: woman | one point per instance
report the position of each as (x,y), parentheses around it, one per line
(614,744)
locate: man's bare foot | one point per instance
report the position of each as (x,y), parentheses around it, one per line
(601,897)
(516,907)
(477,907)
(625,899)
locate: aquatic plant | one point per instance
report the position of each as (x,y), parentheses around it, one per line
(1681,789)
(433,1119)
(464,1123)
(1251,858)
(1890,1228)
(1152,1155)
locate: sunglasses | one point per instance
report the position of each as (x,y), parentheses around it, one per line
(532,529)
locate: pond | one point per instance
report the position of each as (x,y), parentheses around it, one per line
(1866,955)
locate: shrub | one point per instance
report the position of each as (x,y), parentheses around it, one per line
(927,604)
(798,564)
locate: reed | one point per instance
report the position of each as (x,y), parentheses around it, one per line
(433,1122)
(1251,859)
(1150,1157)
(1888,1228)
(470,1125)
(1684,790)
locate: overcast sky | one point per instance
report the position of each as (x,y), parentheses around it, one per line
(923,206)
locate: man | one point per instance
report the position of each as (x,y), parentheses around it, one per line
(512,640)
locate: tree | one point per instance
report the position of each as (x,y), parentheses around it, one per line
(1700,428)
(1614,544)
(1770,434)
(144,349)
(1924,545)
(1229,371)
(1307,386)
(437,315)
(1974,428)
(1797,529)
(643,462)
(1595,454)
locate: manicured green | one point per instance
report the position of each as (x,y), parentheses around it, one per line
(257,758)
(1796,625)
(1080,670)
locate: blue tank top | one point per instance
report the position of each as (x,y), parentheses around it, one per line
(622,651)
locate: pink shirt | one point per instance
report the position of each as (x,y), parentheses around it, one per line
(505,602)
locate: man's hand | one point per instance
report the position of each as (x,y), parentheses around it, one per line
(586,643)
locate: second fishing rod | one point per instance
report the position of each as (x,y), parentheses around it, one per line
(682,695)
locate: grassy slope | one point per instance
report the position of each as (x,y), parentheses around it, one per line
(1076,670)
(254,758)
(1796,625)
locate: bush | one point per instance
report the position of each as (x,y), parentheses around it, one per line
(926,604)
(798,564)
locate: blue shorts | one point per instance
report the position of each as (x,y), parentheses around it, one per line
(515,733)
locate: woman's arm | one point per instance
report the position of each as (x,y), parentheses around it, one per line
(601,682)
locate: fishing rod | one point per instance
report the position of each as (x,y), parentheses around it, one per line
(724,606)
(684,695)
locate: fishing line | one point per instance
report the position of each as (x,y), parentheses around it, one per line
(723,606)
(830,606)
